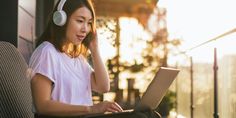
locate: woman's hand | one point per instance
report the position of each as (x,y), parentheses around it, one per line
(93,46)
(106,106)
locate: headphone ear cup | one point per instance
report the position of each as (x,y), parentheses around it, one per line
(59,18)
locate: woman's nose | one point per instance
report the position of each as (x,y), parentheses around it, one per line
(85,27)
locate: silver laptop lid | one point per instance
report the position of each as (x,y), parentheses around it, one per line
(157,88)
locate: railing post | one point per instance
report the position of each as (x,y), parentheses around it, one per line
(191,84)
(215,68)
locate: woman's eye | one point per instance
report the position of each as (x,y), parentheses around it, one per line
(79,21)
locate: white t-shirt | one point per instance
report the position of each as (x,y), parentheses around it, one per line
(70,76)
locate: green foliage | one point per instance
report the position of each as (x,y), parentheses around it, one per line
(167,103)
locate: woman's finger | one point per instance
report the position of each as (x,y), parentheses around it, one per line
(116,107)
(112,107)
(120,109)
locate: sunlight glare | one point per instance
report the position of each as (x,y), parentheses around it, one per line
(197,21)
(108,51)
(133,40)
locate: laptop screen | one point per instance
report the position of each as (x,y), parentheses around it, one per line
(158,87)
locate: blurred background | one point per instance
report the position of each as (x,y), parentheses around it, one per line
(137,37)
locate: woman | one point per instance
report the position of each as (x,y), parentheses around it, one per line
(61,78)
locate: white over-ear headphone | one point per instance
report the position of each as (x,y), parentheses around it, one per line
(59,17)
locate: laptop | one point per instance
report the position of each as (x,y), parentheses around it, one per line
(157,88)
(155,91)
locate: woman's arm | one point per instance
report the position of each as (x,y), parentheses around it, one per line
(41,88)
(99,78)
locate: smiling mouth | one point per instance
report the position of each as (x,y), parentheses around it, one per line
(80,37)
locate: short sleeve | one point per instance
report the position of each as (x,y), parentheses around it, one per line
(87,67)
(43,62)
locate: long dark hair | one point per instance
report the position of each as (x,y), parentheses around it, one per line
(55,34)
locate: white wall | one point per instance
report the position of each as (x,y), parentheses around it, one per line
(26,27)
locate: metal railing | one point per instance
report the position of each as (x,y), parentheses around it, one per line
(215,73)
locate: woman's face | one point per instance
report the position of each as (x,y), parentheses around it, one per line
(79,25)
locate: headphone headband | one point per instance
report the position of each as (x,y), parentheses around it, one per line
(60,5)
